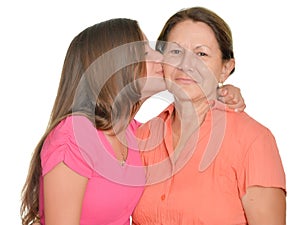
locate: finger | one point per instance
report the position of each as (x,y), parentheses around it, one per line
(237,105)
(223,91)
(228,99)
(240,108)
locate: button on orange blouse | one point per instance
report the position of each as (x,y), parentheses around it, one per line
(205,183)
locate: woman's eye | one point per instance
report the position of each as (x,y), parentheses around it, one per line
(175,51)
(201,54)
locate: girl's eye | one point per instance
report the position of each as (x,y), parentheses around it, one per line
(146,53)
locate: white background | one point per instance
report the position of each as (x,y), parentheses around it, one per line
(36,34)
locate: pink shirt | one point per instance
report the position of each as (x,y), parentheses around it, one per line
(204,185)
(113,190)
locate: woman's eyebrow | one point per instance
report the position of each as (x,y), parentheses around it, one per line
(201,46)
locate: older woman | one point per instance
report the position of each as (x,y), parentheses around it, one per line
(205,164)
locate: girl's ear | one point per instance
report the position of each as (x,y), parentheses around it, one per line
(227,68)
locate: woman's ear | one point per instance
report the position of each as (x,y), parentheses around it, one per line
(228,66)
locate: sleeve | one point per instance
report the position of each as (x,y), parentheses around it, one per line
(135,124)
(59,147)
(262,165)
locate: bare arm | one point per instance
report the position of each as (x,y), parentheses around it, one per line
(265,206)
(63,195)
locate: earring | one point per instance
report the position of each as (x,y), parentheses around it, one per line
(220,84)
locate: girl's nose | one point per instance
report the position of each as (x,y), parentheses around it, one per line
(154,56)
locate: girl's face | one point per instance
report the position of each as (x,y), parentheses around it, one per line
(153,61)
(154,81)
(193,61)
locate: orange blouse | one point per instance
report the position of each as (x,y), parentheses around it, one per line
(204,183)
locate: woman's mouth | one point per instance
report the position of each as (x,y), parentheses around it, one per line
(184,80)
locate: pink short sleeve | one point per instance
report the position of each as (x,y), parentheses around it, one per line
(262,165)
(60,146)
(134,125)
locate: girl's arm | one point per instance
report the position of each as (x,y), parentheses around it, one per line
(63,195)
(232,97)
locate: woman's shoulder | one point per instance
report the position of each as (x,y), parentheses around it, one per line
(248,132)
(242,121)
(238,121)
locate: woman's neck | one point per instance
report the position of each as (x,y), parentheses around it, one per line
(189,112)
(188,117)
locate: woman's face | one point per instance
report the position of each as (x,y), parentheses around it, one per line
(193,61)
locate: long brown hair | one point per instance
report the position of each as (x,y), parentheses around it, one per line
(100,62)
(200,14)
